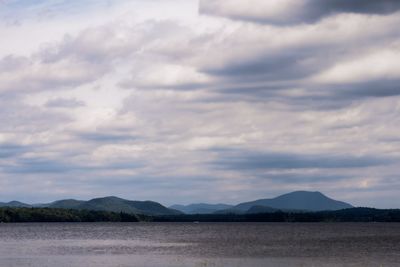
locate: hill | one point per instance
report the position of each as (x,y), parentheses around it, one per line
(64,204)
(201,208)
(299,200)
(14,204)
(114,204)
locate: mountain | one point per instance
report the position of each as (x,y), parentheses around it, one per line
(14,204)
(201,208)
(114,204)
(64,204)
(128,206)
(251,210)
(299,200)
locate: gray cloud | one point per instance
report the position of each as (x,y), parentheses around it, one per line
(37,165)
(295,12)
(376,88)
(310,95)
(322,8)
(18,117)
(281,65)
(106,137)
(297,178)
(243,161)
(12,150)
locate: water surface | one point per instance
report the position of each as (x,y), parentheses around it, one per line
(204,244)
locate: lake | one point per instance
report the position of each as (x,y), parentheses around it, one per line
(199,245)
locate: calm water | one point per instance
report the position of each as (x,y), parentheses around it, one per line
(199,245)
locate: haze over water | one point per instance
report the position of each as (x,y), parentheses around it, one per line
(204,244)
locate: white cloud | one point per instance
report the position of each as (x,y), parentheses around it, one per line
(380,64)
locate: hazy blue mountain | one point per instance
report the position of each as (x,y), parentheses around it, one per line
(121,205)
(201,208)
(230,211)
(109,204)
(299,200)
(14,204)
(64,204)
(255,210)
(114,204)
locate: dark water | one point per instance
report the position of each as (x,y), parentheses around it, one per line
(199,245)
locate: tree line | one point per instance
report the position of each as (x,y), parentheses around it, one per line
(346,215)
(15,215)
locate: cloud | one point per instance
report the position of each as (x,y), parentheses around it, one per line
(35,75)
(107,137)
(287,12)
(33,165)
(377,88)
(381,64)
(42,9)
(354,6)
(282,65)
(23,120)
(174,77)
(64,103)
(12,150)
(254,161)
(304,178)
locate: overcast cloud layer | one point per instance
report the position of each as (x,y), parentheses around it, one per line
(182,101)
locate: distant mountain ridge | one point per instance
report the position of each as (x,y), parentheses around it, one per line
(298,201)
(111,204)
(116,204)
(14,204)
(65,204)
(200,208)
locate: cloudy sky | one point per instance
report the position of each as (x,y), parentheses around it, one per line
(182,101)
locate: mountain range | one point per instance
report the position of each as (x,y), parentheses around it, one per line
(201,208)
(14,204)
(112,204)
(295,201)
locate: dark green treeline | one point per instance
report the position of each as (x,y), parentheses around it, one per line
(13,215)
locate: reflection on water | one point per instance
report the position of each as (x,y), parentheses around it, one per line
(213,244)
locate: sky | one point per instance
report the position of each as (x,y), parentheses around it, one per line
(184,101)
